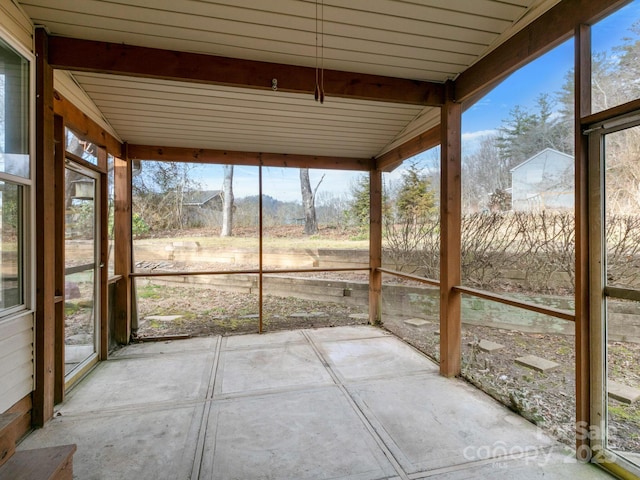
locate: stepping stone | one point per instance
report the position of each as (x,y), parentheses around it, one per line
(623,393)
(416,322)
(536,363)
(250,316)
(163,318)
(308,315)
(359,316)
(488,346)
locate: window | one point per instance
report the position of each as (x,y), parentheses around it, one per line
(15,172)
(81,148)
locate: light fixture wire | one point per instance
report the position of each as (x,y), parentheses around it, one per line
(319,90)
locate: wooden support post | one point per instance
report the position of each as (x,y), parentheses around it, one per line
(123,247)
(43,399)
(103,235)
(260,251)
(582,288)
(59,256)
(375,247)
(450,219)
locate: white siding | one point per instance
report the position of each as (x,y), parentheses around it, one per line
(16,22)
(16,332)
(544,181)
(16,359)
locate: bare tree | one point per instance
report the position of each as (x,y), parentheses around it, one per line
(308,202)
(227,206)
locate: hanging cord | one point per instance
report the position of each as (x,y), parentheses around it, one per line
(316,92)
(322,51)
(319,90)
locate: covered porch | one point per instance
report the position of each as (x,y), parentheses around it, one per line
(341,403)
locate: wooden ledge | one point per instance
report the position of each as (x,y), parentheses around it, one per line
(51,463)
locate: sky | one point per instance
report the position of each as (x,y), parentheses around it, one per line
(544,75)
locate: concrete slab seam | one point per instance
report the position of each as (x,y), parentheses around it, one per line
(363,418)
(204,420)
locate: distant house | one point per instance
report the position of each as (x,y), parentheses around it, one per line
(203,208)
(543,182)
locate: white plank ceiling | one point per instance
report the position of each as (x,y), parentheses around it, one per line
(431,40)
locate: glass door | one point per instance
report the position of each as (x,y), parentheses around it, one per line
(81,271)
(615,292)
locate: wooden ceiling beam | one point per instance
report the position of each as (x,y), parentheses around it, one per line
(547,31)
(225,157)
(103,57)
(418,144)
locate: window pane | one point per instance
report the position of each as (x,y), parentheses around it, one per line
(411,216)
(179,213)
(518,221)
(14,113)
(615,69)
(81,148)
(197,305)
(523,359)
(11,240)
(622,222)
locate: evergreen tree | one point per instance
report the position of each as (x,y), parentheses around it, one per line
(415,198)
(359,209)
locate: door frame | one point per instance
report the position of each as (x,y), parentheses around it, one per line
(101,170)
(86,365)
(599,293)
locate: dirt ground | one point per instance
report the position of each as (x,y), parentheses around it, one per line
(205,311)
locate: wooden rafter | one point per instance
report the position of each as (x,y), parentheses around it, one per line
(103,57)
(224,157)
(393,158)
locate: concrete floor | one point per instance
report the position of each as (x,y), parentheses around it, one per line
(337,403)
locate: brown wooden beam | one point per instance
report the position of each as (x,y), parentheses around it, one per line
(43,398)
(583,286)
(375,247)
(102,57)
(549,30)
(80,123)
(223,157)
(418,144)
(123,248)
(450,244)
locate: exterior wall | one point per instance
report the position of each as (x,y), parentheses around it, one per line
(17,330)
(543,182)
(16,359)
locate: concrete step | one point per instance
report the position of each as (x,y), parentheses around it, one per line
(51,463)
